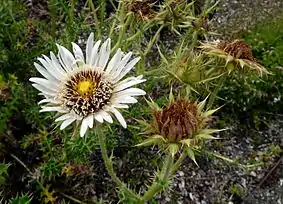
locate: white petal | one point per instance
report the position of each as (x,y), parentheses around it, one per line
(57,64)
(67,58)
(119,117)
(84,127)
(60,59)
(114,61)
(78,52)
(46,83)
(66,123)
(98,117)
(131,81)
(94,54)
(124,99)
(104,53)
(64,117)
(58,109)
(120,105)
(89,45)
(90,120)
(44,72)
(49,100)
(44,90)
(52,69)
(131,92)
(127,68)
(106,116)
(121,65)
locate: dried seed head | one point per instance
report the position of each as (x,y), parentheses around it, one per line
(238,49)
(178,121)
(142,9)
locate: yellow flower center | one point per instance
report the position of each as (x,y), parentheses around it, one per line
(86,87)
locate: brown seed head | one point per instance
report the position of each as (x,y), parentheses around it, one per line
(238,49)
(179,120)
(142,9)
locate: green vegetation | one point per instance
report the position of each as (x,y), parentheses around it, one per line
(43,164)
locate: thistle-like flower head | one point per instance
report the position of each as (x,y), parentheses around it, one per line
(181,124)
(237,53)
(87,88)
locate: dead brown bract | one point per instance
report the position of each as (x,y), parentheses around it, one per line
(238,49)
(142,9)
(178,121)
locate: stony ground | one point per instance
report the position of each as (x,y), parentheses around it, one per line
(216,181)
(235,17)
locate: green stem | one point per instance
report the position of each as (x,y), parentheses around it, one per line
(158,185)
(122,31)
(51,7)
(153,40)
(178,163)
(110,169)
(96,21)
(213,96)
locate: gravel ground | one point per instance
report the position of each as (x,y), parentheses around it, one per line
(235,17)
(216,181)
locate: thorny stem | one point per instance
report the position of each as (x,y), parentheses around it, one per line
(178,162)
(96,21)
(158,185)
(109,166)
(122,30)
(29,171)
(51,7)
(213,96)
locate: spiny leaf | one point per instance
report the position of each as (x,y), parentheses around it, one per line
(210,131)
(207,137)
(153,140)
(210,112)
(152,104)
(201,104)
(230,66)
(191,154)
(171,96)
(186,142)
(173,149)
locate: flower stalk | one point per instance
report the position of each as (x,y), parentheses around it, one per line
(110,169)
(162,179)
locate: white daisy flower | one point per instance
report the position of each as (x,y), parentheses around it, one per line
(87,88)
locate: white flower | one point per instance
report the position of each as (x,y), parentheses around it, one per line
(87,88)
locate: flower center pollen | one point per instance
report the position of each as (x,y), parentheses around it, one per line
(86,92)
(86,88)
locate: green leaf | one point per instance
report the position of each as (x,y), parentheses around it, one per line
(186,142)
(171,96)
(153,140)
(201,104)
(210,112)
(210,131)
(191,154)
(207,137)
(230,66)
(152,104)
(173,148)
